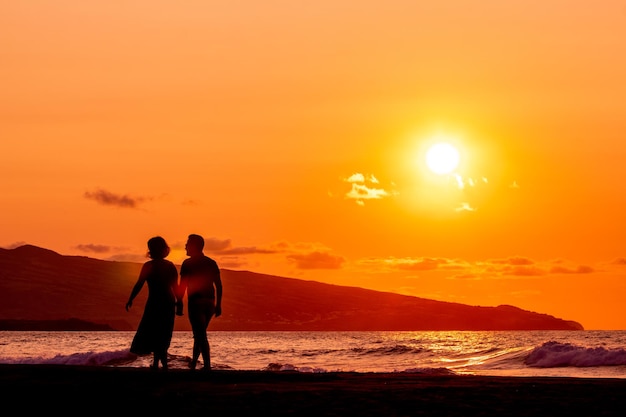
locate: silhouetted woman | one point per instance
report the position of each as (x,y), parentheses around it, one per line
(155,329)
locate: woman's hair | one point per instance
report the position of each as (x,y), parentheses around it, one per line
(158,248)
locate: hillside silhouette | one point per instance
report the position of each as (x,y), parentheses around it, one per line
(38,284)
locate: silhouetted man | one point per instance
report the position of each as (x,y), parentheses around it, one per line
(200,278)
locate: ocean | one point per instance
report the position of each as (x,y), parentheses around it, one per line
(589,354)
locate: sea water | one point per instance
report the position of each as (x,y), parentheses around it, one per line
(591,354)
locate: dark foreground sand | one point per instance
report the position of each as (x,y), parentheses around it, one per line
(78,390)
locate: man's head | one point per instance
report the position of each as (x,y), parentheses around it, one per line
(195,244)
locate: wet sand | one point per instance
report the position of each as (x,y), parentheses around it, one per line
(74,390)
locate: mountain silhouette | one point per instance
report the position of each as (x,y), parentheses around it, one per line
(38,284)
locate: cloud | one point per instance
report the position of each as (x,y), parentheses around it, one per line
(424,264)
(191,202)
(128,257)
(305,255)
(361,189)
(93,248)
(465,207)
(16,244)
(224,247)
(316,260)
(463,183)
(514,260)
(232,262)
(506,268)
(108,198)
(216,245)
(410,264)
(581,269)
(521,266)
(357,177)
(523,270)
(248,250)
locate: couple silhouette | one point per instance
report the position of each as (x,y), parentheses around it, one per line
(199,280)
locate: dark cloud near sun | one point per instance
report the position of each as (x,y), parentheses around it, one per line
(108,198)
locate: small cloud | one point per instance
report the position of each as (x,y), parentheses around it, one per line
(316,260)
(224,247)
(410,264)
(16,245)
(462,183)
(523,270)
(93,248)
(581,269)
(232,262)
(298,247)
(514,260)
(216,245)
(357,177)
(470,276)
(247,250)
(459,181)
(361,190)
(191,202)
(108,198)
(465,207)
(128,257)
(424,264)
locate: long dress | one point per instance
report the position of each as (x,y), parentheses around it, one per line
(155,329)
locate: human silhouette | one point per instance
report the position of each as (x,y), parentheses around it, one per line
(155,329)
(200,279)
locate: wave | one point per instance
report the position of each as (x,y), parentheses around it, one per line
(388,350)
(555,354)
(278,367)
(506,358)
(119,357)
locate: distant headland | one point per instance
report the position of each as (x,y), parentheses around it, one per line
(43,289)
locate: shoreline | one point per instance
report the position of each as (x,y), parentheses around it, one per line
(73,389)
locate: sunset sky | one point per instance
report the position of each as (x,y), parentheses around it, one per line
(293,136)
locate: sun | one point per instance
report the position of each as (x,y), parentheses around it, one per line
(442,158)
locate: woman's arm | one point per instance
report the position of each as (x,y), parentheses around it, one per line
(138,286)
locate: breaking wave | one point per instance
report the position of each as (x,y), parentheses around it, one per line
(555,354)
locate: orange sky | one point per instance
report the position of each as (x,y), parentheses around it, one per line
(292,136)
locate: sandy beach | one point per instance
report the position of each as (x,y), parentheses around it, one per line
(74,390)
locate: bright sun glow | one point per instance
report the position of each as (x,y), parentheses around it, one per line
(442,158)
